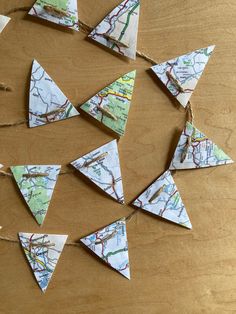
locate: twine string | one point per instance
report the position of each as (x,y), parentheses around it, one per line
(20,9)
(190,114)
(8,174)
(10,124)
(85,28)
(127,219)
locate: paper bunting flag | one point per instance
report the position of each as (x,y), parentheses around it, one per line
(111,245)
(181,75)
(43,252)
(119,30)
(47,103)
(62,12)
(111,105)
(4,20)
(195,150)
(162,198)
(36,184)
(102,167)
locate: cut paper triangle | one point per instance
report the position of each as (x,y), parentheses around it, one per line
(102,167)
(111,105)
(61,12)
(201,152)
(119,30)
(162,198)
(4,20)
(111,245)
(183,73)
(47,103)
(36,184)
(43,252)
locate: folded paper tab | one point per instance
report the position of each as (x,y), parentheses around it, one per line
(42,252)
(166,202)
(111,245)
(119,29)
(105,171)
(36,184)
(181,75)
(111,105)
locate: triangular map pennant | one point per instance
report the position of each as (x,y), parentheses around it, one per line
(111,105)
(119,30)
(162,198)
(181,75)
(4,20)
(43,252)
(62,12)
(196,150)
(102,167)
(36,184)
(111,245)
(47,103)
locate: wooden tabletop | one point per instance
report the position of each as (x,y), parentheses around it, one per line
(173,270)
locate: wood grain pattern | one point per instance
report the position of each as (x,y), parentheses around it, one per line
(173,270)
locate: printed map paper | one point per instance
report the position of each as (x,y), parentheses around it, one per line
(111,245)
(69,7)
(102,167)
(43,252)
(47,103)
(167,203)
(200,154)
(4,20)
(119,30)
(187,70)
(36,190)
(116,98)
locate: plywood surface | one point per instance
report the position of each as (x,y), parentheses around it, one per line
(173,270)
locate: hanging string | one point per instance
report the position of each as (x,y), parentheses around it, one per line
(131,216)
(8,174)
(22,9)
(6,125)
(86,28)
(8,239)
(190,114)
(127,219)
